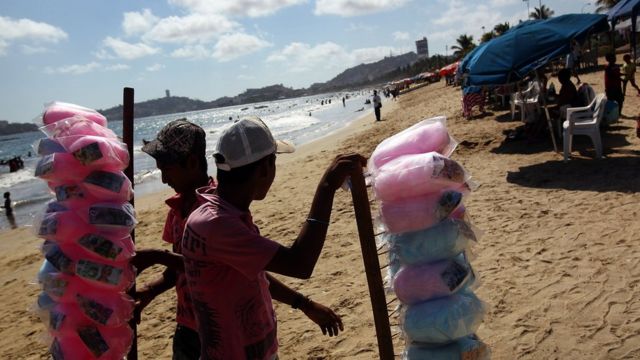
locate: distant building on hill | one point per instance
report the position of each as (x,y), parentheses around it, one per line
(167,93)
(422,47)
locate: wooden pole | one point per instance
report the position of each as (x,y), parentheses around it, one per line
(546,112)
(372,266)
(127,136)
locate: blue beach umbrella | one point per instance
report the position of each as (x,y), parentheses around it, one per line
(625,9)
(527,47)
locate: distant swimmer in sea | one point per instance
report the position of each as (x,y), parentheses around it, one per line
(361,109)
(8,210)
(343,104)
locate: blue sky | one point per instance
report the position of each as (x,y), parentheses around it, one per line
(86,51)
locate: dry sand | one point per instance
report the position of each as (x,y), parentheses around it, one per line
(558,260)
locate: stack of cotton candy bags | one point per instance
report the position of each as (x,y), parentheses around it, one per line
(420,192)
(86,230)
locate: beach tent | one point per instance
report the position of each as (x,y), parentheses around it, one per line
(449,69)
(512,56)
(531,45)
(626,9)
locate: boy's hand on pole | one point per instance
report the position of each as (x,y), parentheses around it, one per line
(342,167)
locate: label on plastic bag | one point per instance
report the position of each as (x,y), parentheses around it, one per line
(447,203)
(88,154)
(56,319)
(67,192)
(54,286)
(94,341)
(106,180)
(94,310)
(100,245)
(56,350)
(100,215)
(454,275)
(59,260)
(48,226)
(45,166)
(98,272)
(445,168)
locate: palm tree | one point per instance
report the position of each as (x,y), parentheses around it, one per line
(605,5)
(541,13)
(487,36)
(464,46)
(502,28)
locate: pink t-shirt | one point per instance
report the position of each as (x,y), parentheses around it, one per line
(225,258)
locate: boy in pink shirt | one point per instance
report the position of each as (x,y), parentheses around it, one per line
(179,151)
(225,253)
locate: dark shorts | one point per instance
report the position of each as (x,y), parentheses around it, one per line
(186,344)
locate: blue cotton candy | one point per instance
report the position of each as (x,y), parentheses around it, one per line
(467,348)
(444,240)
(443,320)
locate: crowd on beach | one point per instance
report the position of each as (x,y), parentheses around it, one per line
(16,163)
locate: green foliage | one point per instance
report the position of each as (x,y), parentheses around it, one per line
(541,13)
(501,28)
(464,45)
(487,36)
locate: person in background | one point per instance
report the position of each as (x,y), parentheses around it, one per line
(224,252)
(629,72)
(377,104)
(8,210)
(180,153)
(573,57)
(613,81)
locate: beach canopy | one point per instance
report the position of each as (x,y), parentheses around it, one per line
(626,9)
(449,69)
(529,46)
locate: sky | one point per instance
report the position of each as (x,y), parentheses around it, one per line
(86,51)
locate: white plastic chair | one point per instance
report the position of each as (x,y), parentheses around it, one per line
(584,121)
(526,100)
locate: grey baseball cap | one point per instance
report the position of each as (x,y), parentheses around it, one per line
(245,142)
(176,141)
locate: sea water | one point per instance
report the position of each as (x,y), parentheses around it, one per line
(299,120)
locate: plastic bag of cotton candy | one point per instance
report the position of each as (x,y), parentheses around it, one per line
(86,231)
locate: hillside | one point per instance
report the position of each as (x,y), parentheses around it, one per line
(360,75)
(7,128)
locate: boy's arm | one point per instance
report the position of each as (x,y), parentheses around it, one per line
(147,292)
(149,257)
(300,259)
(330,323)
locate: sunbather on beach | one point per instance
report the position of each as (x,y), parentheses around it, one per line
(179,151)
(225,253)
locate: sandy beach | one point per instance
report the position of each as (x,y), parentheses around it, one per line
(558,261)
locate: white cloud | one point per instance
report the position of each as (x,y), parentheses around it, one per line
(125,50)
(401,36)
(117,67)
(361,27)
(355,7)
(135,23)
(31,50)
(193,52)
(301,57)
(252,8)
(494,3)
(78,69)
(190,29)
(155,67)
(24,29)
(231,46)
(245,77)
(462,17)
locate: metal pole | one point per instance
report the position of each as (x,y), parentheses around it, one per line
(127,136)
(372,266)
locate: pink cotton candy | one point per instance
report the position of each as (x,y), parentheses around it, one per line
(88,342)
(61,167)
(98,307)
(97,152)
(417,283)
(97,186)
(413,175)
(426,136)
(58,111)
(83,276)
(76,126)
(419,213)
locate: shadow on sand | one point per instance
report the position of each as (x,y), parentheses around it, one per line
(620,174)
